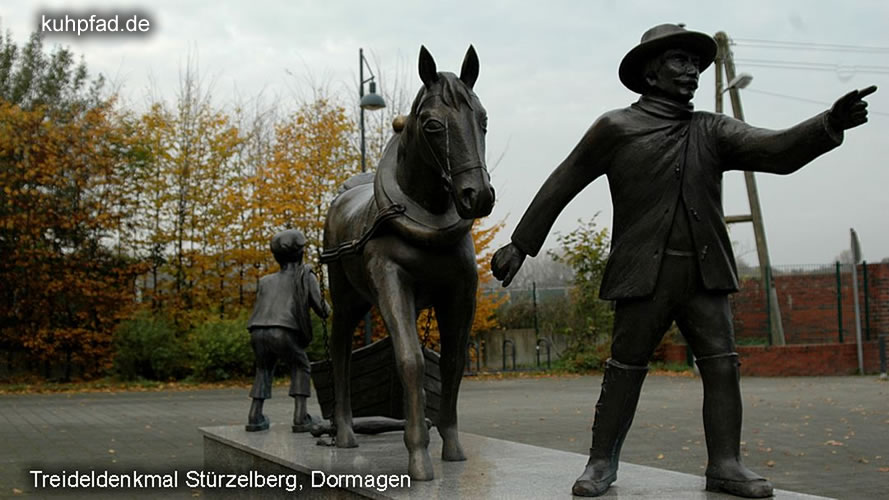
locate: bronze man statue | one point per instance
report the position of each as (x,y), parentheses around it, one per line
(671,257)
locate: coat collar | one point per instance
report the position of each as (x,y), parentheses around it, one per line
(664,108)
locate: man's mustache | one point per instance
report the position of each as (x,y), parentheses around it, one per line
(688,82)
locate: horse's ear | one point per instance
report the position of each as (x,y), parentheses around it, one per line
(428,73)
(469,71)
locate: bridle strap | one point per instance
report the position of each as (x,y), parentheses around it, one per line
(467,168)
(444,168)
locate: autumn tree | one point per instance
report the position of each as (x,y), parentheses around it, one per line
(188,226)
(60,148)
(486,303)
(245,196)
(311,159)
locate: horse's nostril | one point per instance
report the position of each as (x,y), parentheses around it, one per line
(468,197)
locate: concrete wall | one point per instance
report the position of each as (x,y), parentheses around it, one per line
(525,341)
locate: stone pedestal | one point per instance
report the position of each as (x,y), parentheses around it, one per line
(494,469)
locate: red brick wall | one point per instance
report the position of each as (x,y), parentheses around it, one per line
(797,360)
(809,306)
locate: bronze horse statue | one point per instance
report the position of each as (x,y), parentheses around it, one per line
(402,242)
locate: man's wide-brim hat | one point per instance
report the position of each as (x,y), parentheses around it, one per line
(654,42)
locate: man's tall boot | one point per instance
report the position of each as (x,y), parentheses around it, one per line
(722,427)
(614,415)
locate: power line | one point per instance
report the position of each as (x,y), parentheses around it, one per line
(861,67)
(803,99)
(815,66)
(829,47)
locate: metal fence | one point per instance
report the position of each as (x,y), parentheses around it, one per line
(816,303)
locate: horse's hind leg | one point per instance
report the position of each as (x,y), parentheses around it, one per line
(348,309)
(398,307)
(454,313)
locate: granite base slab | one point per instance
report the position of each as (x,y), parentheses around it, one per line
(494,469)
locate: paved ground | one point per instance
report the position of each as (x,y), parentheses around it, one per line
(826,435)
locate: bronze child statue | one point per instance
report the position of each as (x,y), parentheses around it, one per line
(280,328)
(671,257)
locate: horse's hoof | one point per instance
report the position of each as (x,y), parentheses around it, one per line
(346,439)
(420,466)
(452,451)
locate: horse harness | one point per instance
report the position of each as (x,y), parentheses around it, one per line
(355,246)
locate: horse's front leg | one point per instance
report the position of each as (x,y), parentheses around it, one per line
(397,304)
(348,308)
(455,311)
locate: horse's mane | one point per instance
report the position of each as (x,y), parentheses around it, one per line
(452,91)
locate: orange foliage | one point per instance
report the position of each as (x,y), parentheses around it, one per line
(65,286)
(103,211)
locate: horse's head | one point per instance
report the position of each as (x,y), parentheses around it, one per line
(447,125)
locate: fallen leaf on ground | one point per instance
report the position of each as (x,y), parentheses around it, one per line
(833,442)
(770,463)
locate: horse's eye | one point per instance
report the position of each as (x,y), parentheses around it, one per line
(484,123)
(433,126)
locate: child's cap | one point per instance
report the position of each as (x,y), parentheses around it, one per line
(288,244)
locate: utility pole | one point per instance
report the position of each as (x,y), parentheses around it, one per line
(717,67)
(776,329)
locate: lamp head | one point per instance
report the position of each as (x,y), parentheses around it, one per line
(372,101)
(740,81)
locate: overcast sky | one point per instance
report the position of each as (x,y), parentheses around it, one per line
(548,70)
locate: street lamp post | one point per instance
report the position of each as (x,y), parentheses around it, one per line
(371,102)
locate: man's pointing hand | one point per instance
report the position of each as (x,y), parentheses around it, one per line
(850,110)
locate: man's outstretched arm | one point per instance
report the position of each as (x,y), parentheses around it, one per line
(743,147)
(583,165)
